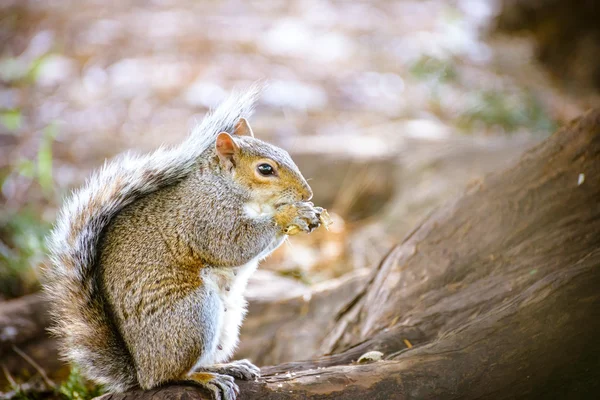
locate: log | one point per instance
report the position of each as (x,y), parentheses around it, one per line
(21,320)
(23,324)
(292,327)
(494,295)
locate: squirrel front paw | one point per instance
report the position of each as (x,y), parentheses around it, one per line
(301,217)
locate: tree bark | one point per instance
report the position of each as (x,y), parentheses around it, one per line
(495,295)
(291,327)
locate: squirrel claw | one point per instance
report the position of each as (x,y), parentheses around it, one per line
(239,369)
(221,387)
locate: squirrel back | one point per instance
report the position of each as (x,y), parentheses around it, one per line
(82,321)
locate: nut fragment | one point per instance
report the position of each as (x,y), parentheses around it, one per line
(325,219)
(370,356)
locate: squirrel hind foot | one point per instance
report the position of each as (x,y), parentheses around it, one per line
(240,369)
(221,387)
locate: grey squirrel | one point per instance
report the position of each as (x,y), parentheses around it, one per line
(150,258)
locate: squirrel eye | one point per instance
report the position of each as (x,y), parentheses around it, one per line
(265,169)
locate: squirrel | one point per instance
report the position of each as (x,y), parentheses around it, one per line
(150,258)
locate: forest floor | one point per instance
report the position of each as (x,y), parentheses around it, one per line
(83,81)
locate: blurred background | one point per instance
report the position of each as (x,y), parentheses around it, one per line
(389,107)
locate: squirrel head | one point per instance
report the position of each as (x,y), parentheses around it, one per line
(266,171)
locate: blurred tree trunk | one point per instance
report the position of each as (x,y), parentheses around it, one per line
(566,34)
(495,295)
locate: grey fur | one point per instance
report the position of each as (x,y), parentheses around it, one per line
(151,257)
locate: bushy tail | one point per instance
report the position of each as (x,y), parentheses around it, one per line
(87,333)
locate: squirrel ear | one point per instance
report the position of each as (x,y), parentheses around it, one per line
(226,149)
(242,128)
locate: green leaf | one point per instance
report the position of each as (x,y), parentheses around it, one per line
(11,119)
(26,168)
(76,387)
(44,159)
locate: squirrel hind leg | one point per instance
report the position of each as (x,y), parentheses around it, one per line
(221,387)
(240,369)
(165,349)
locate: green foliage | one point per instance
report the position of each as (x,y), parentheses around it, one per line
(430,68)
(509,111)
(77,388)
(25,250)
(40,169)
(22,227)
(22,231)
(44,160)
(17,71)
(11,119)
